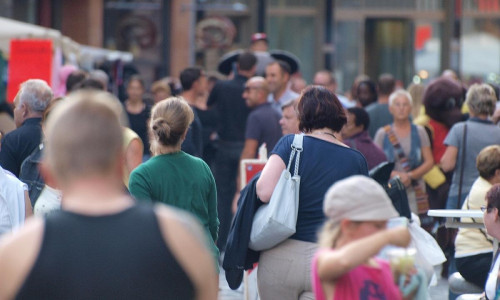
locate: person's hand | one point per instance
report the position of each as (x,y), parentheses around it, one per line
(496,116)
(399,236)
(409,285)
(405,179)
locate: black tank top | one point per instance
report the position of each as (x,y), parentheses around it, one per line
(120,256)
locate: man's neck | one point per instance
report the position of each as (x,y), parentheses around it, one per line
(95,196)
(246,74)
(356,132)
(189,96)
(383,99)
(279,93)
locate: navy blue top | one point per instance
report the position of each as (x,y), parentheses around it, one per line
(321,164)
(139,124)
(19,144)
(193,143)
(263,125)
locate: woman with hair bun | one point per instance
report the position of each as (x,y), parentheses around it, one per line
(172,176)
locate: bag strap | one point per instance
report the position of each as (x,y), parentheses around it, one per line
(474,221)
(420,194)
(462,165)
(298,140)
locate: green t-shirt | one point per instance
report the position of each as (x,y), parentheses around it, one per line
(183,181)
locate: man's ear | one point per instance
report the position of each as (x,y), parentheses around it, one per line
(25,110)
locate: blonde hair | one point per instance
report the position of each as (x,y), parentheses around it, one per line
(84,136)
(398,93)
(481,99)
(170,118)
(417,93)
(329,234)
(161,85)
(488,161)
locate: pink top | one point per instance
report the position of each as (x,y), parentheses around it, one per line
(361,283)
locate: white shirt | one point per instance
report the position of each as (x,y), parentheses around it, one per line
(48,201)
(491,282)
(12,205)
(288,95)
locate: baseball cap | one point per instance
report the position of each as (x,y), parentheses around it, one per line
(259,36)
(358,198)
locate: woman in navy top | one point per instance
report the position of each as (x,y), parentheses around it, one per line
(284,271)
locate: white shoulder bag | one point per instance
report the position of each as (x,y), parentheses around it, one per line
(275,221)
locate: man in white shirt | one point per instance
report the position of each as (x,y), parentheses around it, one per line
(15,203)
(278,77)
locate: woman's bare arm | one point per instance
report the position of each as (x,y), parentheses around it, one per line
(269,177)
(449,159)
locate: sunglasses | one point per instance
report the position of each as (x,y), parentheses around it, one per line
(248,88)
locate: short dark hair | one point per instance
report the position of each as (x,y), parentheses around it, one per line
(75,79)
(189,76)
(284,66)
(92,84)
(246,61)
(386,84)
(362,117)
(371,86)
(493,197)
(318,108)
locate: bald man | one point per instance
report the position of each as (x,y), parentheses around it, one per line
(263,122)
(102,244)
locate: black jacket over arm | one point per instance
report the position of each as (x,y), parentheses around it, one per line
(238,256)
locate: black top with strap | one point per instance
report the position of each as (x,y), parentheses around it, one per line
(119,256)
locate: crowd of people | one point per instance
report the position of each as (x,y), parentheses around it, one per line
(134,197)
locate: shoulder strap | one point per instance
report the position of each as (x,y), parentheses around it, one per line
(400,154)
(298,140)
(462,165)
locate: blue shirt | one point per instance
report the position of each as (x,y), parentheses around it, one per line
(322,164)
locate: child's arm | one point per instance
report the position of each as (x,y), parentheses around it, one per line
(333,264)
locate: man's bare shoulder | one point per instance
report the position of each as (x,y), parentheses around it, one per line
(18,252)
(186,239)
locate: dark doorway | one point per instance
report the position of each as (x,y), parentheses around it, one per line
(389,48)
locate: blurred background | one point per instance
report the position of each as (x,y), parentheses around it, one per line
(413,39)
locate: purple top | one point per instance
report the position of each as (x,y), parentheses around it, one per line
(364,144)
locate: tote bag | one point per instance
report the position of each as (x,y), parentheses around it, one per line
(275,221)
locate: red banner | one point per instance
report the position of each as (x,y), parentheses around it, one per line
(29,59)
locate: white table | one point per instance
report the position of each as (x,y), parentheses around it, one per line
(453,217)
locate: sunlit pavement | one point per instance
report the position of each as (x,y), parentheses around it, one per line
(438,292)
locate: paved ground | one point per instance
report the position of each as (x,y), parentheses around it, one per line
(438,292)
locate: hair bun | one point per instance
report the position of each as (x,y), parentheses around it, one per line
(161,128)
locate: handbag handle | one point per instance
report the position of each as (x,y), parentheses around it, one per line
(296,146)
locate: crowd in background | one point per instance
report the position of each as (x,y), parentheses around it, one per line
(185,135)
